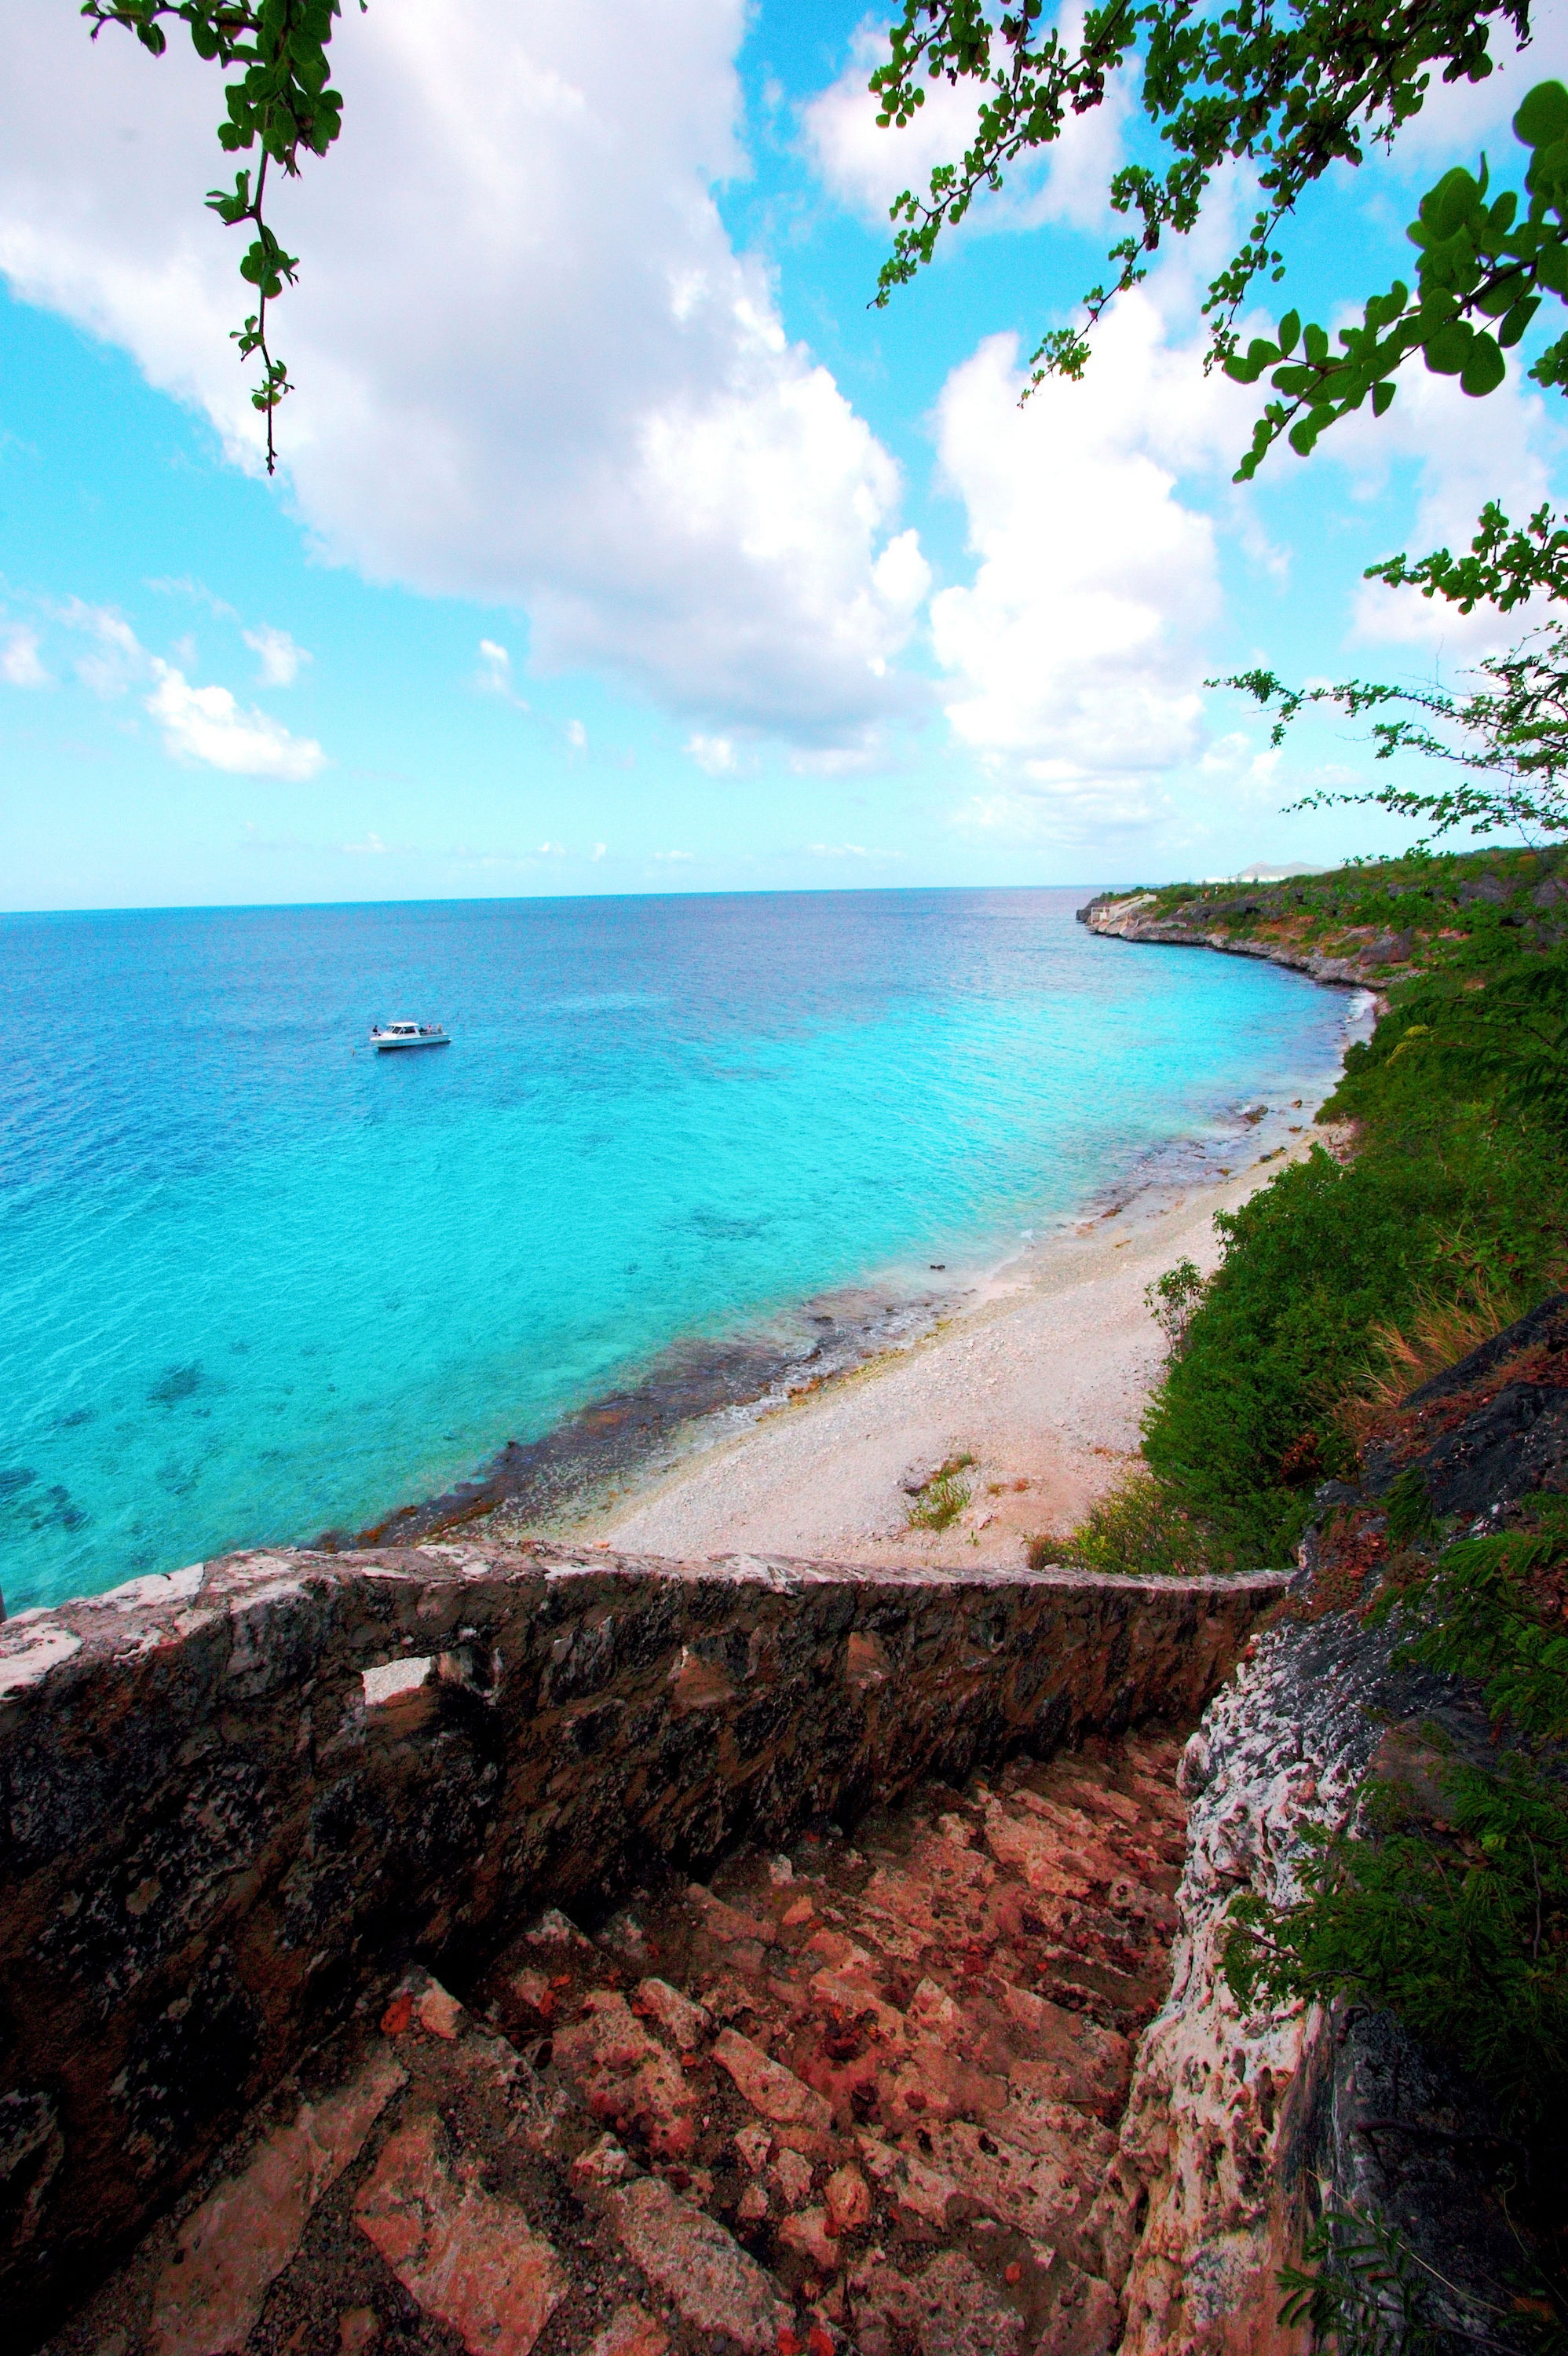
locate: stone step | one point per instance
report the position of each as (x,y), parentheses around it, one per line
(860,2096)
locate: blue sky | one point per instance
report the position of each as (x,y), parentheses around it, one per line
(617,545)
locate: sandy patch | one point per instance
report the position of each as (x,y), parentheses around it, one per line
(1042,1378)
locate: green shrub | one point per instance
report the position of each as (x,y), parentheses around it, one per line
(944,1497)
(1137,1528)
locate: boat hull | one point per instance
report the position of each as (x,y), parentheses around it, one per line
(390,1046)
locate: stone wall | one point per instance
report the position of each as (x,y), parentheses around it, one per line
(240,1798)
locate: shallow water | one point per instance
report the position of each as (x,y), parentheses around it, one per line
(256,1280)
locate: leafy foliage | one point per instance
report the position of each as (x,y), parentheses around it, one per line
(1367,2294)
(1454,1206)
(281,100)
(1171,1301)
(1137,1529)
(1291,90)
(1479,262)
(1462,1930)
(1510,738)
(1506,564)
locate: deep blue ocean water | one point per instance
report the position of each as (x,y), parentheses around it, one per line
(256,1280)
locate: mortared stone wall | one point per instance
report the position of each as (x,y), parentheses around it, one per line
(240,1799)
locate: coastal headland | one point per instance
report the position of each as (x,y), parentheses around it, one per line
(545,1949)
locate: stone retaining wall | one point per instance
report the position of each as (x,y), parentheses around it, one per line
(239,1798)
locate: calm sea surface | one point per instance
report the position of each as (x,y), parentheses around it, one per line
(256,1280)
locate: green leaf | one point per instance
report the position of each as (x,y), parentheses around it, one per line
(1382,398)
(1484,370)
(1543,116)
(1448,348)
(1552,267)
(1289,331)
(1448,206)
(1517,321)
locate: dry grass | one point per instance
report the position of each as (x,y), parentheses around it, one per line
(1441,1332)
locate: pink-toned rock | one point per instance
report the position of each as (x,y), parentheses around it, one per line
(753,2143)
(727,1922)
(627,2077)
(794,2175)
(692,2260)
(232,2249)
(686,2023)
(1038,1851)
(630,2331)
(849,2198)
(799,1910)
(534,1990)
(602,2163)
(438,2011)
(471,2260)
(806,2232)
(752,2205)
(358,2328)
(768,2086)
(933,2010)
(950,2306)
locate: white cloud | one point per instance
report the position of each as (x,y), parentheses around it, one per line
(19,662)
(675,855)
(577,736)
(598,851)
(1075,657)
(495,669)
(1465,453)
(205,723)
(1457,116)
(117,659)
(504,392)
(282,660)
(714,753)
(371,847)
(866,168)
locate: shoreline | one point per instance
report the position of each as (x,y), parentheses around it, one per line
(712,1447)
(1042,1381)
(1039,1369)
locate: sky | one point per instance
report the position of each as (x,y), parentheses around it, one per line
(617,544)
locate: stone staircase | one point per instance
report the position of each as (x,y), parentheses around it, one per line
(860,2096)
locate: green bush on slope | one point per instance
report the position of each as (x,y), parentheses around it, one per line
(1457,1191)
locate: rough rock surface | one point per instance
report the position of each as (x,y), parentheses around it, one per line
(849,2096)
(1217,2096)
(240,1799)
(1132,916)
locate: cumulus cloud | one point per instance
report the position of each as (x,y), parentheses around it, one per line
(20,665)
(716,755)
(1073,657)
(282,660)
(866,168)
(205,723)
(1464,452)
(531,367)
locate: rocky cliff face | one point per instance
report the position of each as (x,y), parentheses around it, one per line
(241,1800)
(1214,923)
(1245,2126)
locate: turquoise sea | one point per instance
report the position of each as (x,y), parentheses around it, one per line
(256,1280)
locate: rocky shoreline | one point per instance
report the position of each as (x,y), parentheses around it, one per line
(1139,917)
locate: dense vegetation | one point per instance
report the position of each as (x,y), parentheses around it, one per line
(1444,1214)
(1450,1215)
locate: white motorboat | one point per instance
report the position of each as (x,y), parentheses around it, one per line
(387,1036)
